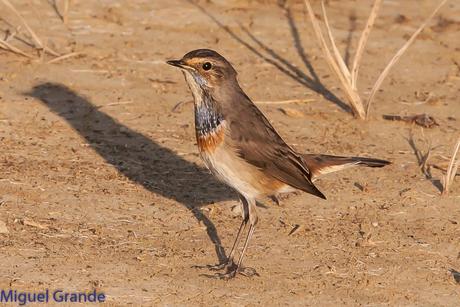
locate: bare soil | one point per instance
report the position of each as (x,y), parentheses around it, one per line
(101,185)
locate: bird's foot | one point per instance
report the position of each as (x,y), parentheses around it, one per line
(217,267)
(232,271)
(225,265)
(229,273)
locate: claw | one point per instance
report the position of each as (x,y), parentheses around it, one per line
(227,275)
(232,271)
(217,267)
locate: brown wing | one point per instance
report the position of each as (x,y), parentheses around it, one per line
(324,164)
(259,144)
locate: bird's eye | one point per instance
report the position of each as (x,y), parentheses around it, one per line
(207,66)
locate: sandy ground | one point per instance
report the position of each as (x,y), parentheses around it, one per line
(101,185)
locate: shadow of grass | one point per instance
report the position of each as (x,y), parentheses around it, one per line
(278,61)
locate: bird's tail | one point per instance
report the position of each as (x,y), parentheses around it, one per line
(324,164)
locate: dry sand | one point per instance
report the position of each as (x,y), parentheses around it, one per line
(101,185)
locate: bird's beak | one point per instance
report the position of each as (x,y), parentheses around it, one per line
(177,63)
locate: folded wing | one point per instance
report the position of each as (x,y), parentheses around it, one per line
(257,142)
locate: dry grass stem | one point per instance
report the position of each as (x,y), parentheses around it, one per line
(65,14)
(396,57)
(284,101)
(348,79)
(351,94)
(7,46)
(338,58)
(451,170)
(116,104)
(63,57)
(37,41)
(362,42)
(34,36)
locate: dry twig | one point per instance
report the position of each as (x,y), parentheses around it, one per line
(362,42)
(65,14)
(284,101)
(37,41)
(398,55)
(340,70)
(448,178)
(63,57)
(423,120)
(7,46)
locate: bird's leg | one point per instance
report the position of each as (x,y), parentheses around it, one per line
(253,219)
(230,260)
(232,271)
(245,216)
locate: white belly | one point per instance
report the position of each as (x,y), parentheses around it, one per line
(234,171)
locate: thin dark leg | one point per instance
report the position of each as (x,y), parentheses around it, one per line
(237,240)
(245,214)
(246,243)
(231,271)
(230,263)
(252,221)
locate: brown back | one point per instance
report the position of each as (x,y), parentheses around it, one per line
(258,143)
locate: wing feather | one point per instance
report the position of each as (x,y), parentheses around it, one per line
(258,143)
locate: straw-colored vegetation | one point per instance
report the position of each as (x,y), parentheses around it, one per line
(349,78)
(451,169)
(32,38)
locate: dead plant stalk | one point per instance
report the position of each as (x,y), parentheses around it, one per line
(451,170)
(347,78)
(37,41)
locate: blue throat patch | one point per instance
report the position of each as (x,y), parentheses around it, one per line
(207,116)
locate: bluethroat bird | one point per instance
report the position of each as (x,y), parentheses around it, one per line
(241,148)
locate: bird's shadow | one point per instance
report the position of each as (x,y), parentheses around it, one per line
(269,55)
(137,157)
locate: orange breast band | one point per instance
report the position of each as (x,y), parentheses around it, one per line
(210,141)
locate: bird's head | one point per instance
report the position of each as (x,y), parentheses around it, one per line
(205,69)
